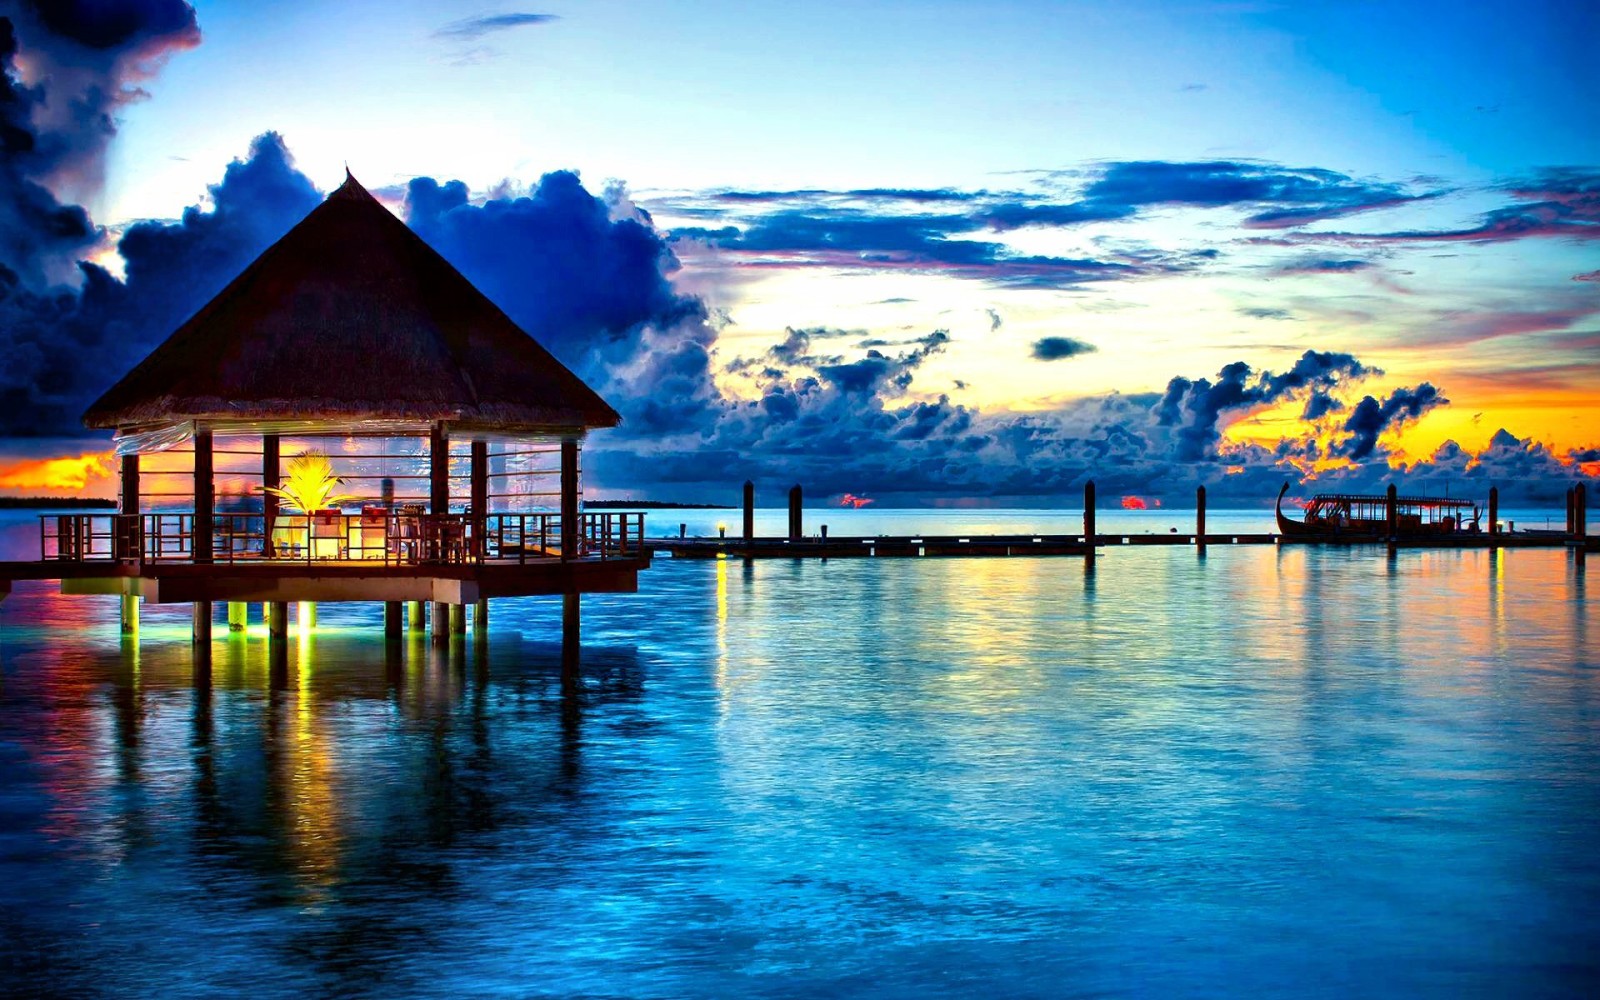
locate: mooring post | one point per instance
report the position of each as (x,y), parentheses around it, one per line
(1494,510)
(393,614)
(1580,522)
(749,511)
(130,614)
(1200,519)
(1088,518)
(796,528)
(238,616)
(571,633)
(277,619)
(202,622)
(1392,516)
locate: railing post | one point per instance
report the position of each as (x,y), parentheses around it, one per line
(796,528)
(127,546)
(1392,515)
(749,511)
(1494,510)
(1200,519)
(270,476)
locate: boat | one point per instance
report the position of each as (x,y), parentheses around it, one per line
(1364,517)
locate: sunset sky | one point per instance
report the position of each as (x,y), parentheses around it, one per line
(934,250)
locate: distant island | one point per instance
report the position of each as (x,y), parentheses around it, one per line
(651,505)
(56,503)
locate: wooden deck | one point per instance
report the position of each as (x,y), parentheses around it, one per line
(170,582)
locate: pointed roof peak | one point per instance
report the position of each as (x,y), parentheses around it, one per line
(351,188)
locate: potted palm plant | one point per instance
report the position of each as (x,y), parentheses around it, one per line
(309,487)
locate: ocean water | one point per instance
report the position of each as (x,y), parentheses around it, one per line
(1289,772)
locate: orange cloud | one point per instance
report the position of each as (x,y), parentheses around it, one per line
(71,474)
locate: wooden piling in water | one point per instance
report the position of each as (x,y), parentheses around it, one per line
(1088,518)
(1494,510)
(308,615)
(480,619)
(202,622)
(749,510)
(1391,517)
(1580,522)
(571,633)
(1200,519)
(130,614)
(416,616)
(458,619)
(439,620)
(796,528)
(238,616)
(393,619)
(1572,492)
(277,619)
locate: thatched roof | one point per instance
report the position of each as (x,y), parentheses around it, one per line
(351,316)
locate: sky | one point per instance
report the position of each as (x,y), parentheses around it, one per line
(932,252)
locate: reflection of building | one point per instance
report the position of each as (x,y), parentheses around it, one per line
(350,340)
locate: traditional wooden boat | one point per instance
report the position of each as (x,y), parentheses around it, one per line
(1361,516)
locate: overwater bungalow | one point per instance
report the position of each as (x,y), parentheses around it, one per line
(348,420)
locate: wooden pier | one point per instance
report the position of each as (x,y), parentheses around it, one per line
(799,546)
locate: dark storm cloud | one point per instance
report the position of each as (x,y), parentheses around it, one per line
(557,262)
(88,58)
(47,379)
(1193,408)
(1371,417)
(1059,348)
(477,27)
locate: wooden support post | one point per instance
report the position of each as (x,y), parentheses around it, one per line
(569,498)
(272,476)
(202,622)
(1494,510)
(204,497)
(479,480)
(277,619)
(1200,519)
(480,618)
(393,612)
(1088,517)
(571,633)
(796,528)
(438,471)
(1391,517)
(439,621)
(416,616)
(127,535)
(458,619)
(1568,522)
(307,613)
(238,616)
(130,614)
(749,511)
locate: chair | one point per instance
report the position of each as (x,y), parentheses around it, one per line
(407,538)
(327,534)
(372,541)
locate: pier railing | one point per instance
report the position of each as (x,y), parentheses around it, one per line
(386,538)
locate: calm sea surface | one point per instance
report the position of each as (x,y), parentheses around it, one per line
(1285,772)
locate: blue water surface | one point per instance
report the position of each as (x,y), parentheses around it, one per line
(1270,771)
